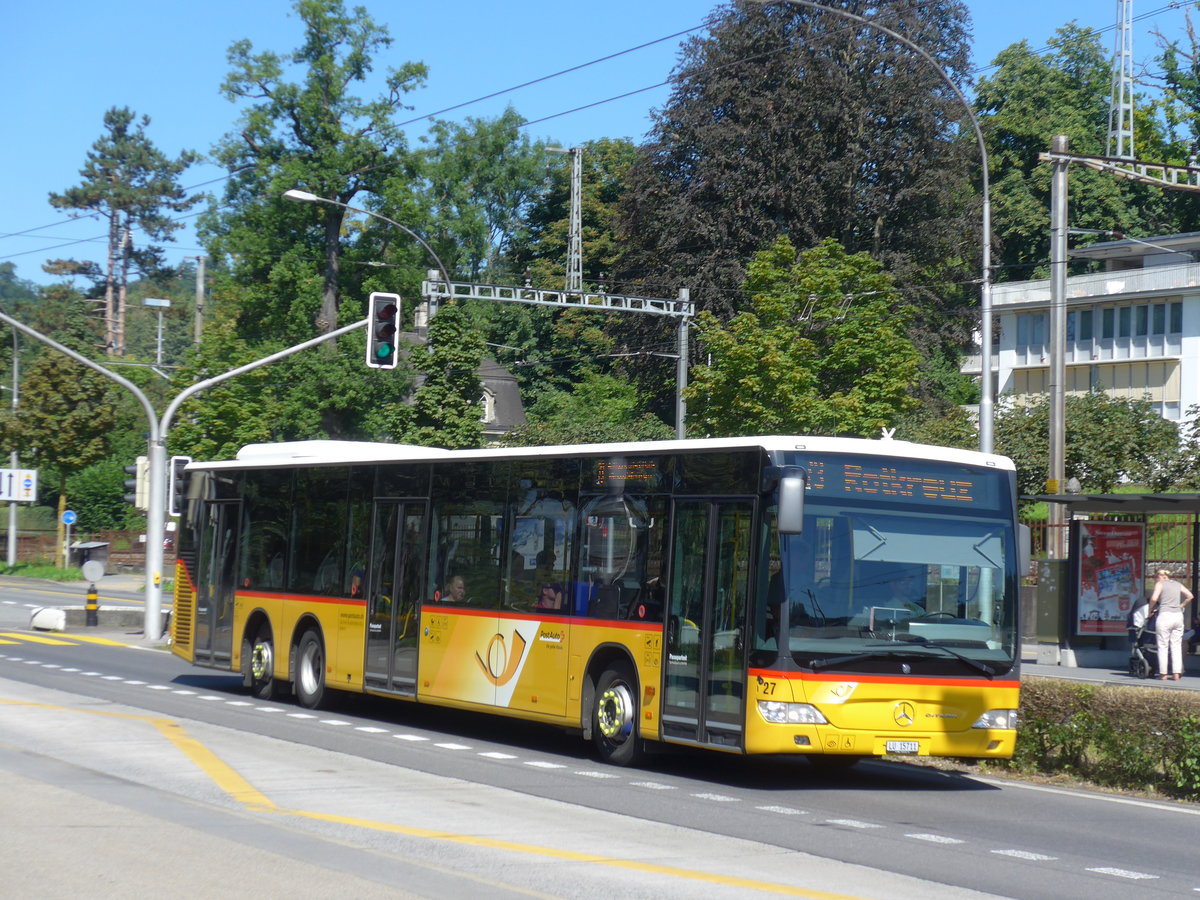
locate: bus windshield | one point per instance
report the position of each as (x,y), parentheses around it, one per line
(877,586)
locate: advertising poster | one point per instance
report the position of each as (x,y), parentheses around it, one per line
(1110,575)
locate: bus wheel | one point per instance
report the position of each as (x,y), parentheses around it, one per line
(614,728)
(260,656)
(310,671)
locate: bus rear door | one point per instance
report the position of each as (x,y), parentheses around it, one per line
(216,558)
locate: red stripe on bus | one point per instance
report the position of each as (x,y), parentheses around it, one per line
(874,679)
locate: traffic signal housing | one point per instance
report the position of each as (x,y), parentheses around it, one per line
(382,325)
(138,487)
(177,485)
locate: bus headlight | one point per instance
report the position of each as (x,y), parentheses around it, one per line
(780,713)
(997,718)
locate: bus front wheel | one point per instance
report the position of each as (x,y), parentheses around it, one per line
(259,658)
(310,671)
(614,725)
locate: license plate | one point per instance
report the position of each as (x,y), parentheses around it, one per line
(903,747)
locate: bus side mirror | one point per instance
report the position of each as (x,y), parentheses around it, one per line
(1025,549)
(790,519)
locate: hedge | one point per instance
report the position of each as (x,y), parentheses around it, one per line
(1131,738)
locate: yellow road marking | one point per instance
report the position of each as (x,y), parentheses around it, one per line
(88,639)
(245,793)
(34,638)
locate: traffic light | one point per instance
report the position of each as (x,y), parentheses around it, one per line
(177,485)
(384,319)
(138,486)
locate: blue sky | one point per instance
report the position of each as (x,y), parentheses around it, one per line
(68,61)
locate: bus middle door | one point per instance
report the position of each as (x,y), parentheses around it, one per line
(393,587)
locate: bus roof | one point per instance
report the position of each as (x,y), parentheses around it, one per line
(334,453)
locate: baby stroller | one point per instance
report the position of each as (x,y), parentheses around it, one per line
(1143,655)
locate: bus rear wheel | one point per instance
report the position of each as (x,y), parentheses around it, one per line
(614,720)
(258,656)
(310,671)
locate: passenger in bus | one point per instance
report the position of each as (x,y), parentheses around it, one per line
(456,590)
(550,595)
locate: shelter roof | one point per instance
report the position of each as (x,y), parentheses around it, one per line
(1123,503)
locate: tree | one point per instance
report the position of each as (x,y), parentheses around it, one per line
(1108,441)
(132,185)
(786,120)
(64,420)
(479,179)
(1030,98)
(446,410)
(823,349)
(600,409)
(313,134)
(540,246)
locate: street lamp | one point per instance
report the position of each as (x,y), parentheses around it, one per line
(986,405)
(305,197)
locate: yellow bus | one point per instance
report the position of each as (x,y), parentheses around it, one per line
(835,597)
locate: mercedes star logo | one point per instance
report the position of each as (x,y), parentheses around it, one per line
(904,714)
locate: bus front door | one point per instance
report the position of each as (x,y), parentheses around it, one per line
(705,666)
(393,595)
(215,584)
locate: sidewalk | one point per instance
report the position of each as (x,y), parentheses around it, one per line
(1111,674)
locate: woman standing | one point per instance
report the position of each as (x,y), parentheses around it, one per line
(1169,600)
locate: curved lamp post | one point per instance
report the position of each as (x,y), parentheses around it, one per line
(986,405)
(305,197)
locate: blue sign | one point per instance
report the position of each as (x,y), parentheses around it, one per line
(69,517)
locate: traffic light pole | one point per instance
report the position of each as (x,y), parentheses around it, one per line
(157,451)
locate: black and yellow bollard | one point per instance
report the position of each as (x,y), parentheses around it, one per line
(93,611)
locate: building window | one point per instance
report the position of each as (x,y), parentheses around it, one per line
(488,402)
(1108,327)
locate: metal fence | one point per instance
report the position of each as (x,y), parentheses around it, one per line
(1169,540)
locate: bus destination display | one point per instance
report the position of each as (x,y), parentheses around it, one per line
(871,480)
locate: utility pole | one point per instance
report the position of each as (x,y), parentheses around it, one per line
(198,328)
(575,234)
(1056,544)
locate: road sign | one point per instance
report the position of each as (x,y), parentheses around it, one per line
(69,517)
(18,485)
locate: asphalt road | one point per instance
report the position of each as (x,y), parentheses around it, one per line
(438,802)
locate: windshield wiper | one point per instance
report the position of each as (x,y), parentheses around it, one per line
(894,653)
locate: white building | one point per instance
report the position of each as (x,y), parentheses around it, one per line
(1133,328)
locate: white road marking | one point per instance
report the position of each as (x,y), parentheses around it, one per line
(852,823)
(238,703)
(409,737)
(1123,873)
(268,709)
(934,838)
(1025,854)
(371,729)
(452,746)
(301,716)
(542,764)
(783,810)
(719,798)
(334,722)
(495,754)
(159,687)
(652,785)
(587,774)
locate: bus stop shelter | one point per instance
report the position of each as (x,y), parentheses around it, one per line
(1056,609)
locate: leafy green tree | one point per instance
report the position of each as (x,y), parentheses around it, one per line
(132,185)
(446,410)
(312,134)
(97,495)
(478,181)
(823,349)
(1030,98)
(64,419)
(1108,441)
(540,246)
(600,409)
(786,120)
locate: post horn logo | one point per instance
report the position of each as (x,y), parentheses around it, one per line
(501,665)
(904,714)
